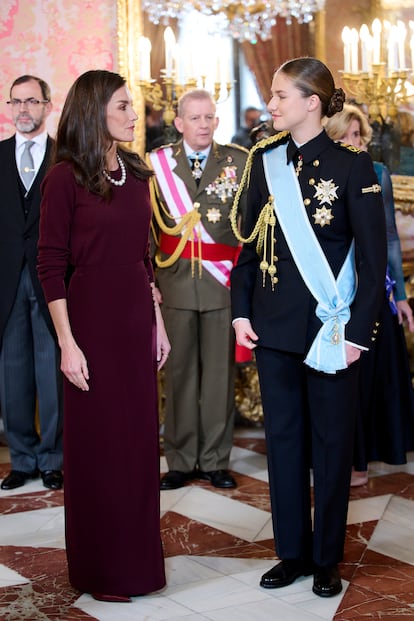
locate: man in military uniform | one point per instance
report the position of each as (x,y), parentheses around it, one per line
(193,190)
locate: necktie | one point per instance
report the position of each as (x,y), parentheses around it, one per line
(195,160)
(27,168)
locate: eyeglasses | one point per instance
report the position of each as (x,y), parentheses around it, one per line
(30,103)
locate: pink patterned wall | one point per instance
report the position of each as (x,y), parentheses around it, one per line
(56,40)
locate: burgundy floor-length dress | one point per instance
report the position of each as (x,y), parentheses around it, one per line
(111,450)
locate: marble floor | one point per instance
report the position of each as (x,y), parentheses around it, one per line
(217,544)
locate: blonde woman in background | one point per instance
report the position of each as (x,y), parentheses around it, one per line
(385,425)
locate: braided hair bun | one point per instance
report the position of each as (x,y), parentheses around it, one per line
(336,103)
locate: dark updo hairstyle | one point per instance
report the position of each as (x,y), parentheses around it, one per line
(82,135)
(312,77)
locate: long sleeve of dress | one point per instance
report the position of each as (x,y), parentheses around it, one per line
(393,240)
(56,214)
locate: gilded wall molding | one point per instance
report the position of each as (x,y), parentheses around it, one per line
(129,29)
(403,191)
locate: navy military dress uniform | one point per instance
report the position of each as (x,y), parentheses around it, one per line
(309,415)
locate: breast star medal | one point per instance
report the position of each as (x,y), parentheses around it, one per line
(323,216)
(325,192)
(213,215)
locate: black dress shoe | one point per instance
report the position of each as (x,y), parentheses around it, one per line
(327,581)
(174,479)
(52,479)
(17,478)
(218,478)
(285,573)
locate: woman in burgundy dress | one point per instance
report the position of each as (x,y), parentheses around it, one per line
(95,217)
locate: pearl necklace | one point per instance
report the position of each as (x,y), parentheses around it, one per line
(123,173)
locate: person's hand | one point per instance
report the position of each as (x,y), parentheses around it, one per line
(163,344)
(352,353)
(245,335)
(73,365)
(157,295)
(405,313)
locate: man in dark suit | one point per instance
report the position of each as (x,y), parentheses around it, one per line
(195,184)
(29,357)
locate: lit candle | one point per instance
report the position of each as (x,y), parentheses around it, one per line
(178,65)
(217,46)
(402,34)
(393,50)
(226,62)
(364,38)
(412,51)
(169,40)
(144,57)
(189,70)
(370,46)
(346,38)
(354,50)
(376,32)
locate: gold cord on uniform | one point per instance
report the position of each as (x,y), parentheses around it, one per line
(187,227)
(264,229)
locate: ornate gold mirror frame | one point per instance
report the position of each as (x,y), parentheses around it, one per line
(403,190)
(129,29)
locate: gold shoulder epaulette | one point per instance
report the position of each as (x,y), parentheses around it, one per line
(239,147)
(270,140)
(163,146)
(348,147)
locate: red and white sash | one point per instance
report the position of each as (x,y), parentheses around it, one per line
(179,203)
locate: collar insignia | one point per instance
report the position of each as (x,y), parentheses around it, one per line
(325,191)
(323,216)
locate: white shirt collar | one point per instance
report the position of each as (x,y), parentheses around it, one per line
(189,151)
(40,139)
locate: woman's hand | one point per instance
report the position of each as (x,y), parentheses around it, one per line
(73,365)
(163,344)
(73,362)
(245,335)
(405,313)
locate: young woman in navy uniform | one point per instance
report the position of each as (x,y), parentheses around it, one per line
(305,295)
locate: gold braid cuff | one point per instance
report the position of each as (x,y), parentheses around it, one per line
(264,229)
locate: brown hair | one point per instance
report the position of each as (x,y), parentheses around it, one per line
(44,86)
(337,126)
(82,136)
(312,77)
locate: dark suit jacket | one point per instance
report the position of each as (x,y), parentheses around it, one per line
(178,287)
(285,318)
(19,234)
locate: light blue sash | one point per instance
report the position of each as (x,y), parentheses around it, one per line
(327,352)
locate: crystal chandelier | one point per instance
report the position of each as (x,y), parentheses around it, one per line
(245,20)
